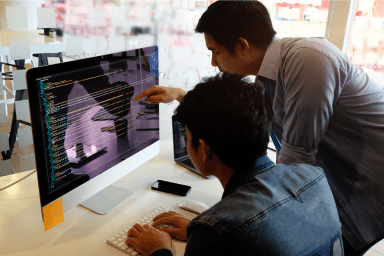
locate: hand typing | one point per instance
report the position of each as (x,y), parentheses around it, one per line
(146,239)
(180,223)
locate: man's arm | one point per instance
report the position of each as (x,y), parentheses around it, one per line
(311,83)
(162,94)
(203,241)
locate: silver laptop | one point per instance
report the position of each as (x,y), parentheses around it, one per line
(180,147)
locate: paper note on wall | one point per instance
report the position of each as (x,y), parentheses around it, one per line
(19,49)
(16,17)
(53,214)
(19,79)
(46,17)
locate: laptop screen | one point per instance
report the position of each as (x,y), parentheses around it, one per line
(179,139)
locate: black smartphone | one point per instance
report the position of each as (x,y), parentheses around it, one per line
(170,187)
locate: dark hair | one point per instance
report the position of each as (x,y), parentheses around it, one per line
(227,21)
(231,115)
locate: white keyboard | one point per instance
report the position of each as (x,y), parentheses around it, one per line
(118,240)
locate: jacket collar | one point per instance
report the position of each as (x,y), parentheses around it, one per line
(262,164)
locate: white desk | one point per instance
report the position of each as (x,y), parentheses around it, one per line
(38,43)
(84,232)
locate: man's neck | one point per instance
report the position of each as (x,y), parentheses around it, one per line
(222,172)
(259,57)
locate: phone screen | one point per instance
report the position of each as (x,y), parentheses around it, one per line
(171,187)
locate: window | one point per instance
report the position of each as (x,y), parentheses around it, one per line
(366,39)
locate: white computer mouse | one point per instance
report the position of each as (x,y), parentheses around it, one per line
(193,206)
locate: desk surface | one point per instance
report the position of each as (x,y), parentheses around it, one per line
(34,37)
(38,43)
(84,232)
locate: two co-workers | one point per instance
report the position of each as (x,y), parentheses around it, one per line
(326,111)
(266,209)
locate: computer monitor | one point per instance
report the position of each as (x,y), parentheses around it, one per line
(87,132)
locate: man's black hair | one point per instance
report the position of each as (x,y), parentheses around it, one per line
(231,115)
(227,21)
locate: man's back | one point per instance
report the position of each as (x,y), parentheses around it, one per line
(276,210)
(329,113)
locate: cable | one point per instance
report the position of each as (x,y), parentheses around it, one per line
(10,185)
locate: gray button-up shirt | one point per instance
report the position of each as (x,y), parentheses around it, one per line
(329,113)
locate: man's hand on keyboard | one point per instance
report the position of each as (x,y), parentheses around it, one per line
(178,221)
(146,239)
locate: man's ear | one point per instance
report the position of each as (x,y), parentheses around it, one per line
(205,150)
(243,44)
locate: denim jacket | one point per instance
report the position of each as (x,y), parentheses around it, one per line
(270,210)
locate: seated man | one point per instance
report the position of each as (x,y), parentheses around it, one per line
(266,209)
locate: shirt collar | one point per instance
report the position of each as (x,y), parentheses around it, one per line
(271,61)
(262,164)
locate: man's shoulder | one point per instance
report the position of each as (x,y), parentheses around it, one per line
(300,47)
(257,197)
(300,42)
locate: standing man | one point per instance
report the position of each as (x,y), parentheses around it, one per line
(327,111)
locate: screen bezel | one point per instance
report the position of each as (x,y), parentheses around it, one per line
(34,102)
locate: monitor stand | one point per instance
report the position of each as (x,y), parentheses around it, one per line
(107,199)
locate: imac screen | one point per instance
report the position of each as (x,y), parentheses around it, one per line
(89,121)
